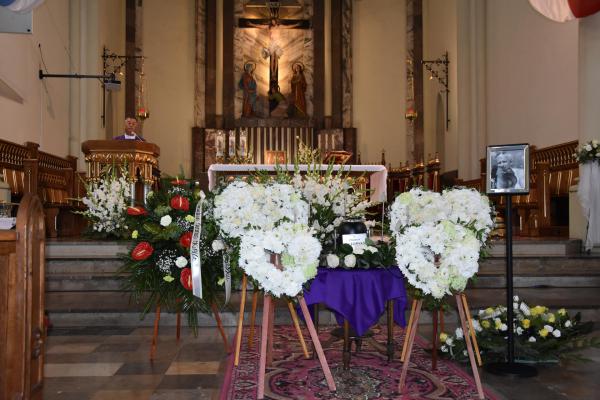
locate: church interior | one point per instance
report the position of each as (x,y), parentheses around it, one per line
(408,93)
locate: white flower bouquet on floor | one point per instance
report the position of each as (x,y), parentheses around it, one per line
(106,203)
(540,334)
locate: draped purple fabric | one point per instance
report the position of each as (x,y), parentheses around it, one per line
(359,295)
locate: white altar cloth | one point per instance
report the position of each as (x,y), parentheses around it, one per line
(377,177)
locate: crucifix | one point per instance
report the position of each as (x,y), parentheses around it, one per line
(270,10)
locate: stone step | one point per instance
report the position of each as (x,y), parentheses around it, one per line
(85,249)
(524,247)
(90,267)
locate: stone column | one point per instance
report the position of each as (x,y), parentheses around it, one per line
(471,69)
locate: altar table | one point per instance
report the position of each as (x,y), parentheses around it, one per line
(377,174)
(358,297)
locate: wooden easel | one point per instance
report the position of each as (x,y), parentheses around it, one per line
(240,325)
(216,314)
(468,332)
(266,344)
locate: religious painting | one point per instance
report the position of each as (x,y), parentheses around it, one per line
(273,58)
(507,169)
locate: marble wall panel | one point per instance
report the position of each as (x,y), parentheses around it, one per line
(200,68)
(347,63)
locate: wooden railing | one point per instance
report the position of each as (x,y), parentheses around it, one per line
(53,178)
(543,211)
(420,175)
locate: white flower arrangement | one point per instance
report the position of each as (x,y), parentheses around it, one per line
(439,237)
(331,198)
(106,203)
(588,152)
(242,206)
(299,252)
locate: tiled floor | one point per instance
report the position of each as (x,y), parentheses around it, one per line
(94,363)
(113,363)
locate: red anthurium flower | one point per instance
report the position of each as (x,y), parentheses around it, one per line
(179,182)
(186,278)
(137,211)
(142,251)
(186,240)
(180,203)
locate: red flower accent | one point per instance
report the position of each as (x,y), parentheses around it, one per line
(179,182)
(180,203)
(142,251)
(136,211)
(186,240)
(186,278)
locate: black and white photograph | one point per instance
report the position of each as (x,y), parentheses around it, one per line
(507,169)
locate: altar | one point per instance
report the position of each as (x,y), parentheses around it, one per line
(377,174)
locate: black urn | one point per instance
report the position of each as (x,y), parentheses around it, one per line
(352,231)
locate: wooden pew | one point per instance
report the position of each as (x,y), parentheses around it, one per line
(28,170)
(22,331)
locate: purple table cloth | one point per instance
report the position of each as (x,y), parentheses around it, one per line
(359,295)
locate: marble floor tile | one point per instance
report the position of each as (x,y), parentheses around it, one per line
(122,395)
(143,368)
(72,348)
(189,382)
(81,369)
(192,394)
(193,367)
(66,395)
(117,347)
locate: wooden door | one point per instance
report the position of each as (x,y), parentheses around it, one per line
(22,333)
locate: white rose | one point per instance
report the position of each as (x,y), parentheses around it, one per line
(519,330)
(166,220)
(358,250)
(181,261)
(568,323)
(532,339)
(556,333)
(449,342)
(548,328)
(588,147)
(218,245)
(503,327)
(350,260)
(444,349)
(515,298)
(333,261)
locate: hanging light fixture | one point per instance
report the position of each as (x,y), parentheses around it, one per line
(142,111)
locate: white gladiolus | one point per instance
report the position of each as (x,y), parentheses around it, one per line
(181,261)
(166,220)
(106,204)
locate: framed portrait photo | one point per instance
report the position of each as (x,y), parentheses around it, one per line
(507,169)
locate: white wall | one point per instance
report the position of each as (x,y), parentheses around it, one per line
(532,75)
(43,117)
(169,47)
(379,69)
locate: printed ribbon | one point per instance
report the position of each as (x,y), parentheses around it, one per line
(195,256)
(227,274)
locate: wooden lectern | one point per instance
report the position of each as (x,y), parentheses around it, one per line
(140,160)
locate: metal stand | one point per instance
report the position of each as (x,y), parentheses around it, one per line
(510,367)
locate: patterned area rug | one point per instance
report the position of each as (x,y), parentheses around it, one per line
(370,376)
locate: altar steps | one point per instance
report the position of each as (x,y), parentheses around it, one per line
(82,288)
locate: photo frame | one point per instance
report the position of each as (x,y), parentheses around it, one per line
(507,169)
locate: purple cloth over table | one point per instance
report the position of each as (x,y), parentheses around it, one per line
(359,295)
